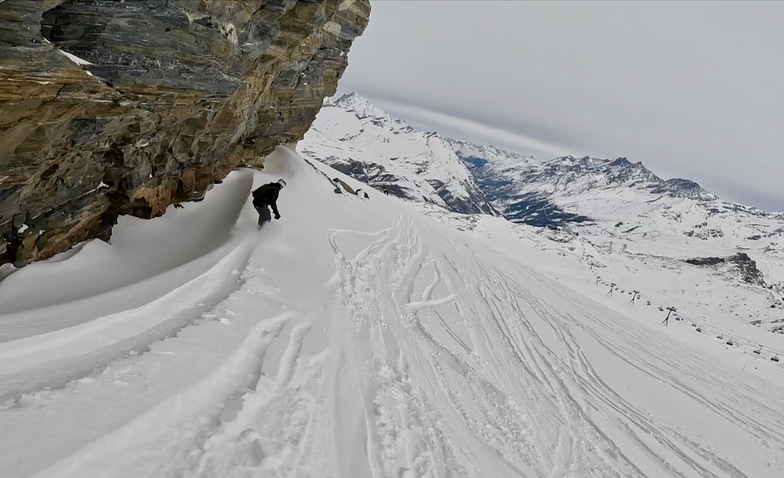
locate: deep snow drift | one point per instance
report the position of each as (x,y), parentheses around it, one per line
(355,337)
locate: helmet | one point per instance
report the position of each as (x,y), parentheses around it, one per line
(282,183)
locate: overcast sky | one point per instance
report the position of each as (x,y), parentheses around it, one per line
(692,90)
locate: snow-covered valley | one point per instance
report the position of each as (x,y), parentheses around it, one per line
(362,337)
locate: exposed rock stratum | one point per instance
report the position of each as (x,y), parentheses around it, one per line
(110,107)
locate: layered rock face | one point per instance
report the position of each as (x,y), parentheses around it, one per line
(112,107)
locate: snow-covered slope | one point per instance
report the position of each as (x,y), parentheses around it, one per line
(634,221)
(355,338)
(359,139)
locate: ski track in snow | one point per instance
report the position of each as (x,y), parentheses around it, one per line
(51,360)
(426,357)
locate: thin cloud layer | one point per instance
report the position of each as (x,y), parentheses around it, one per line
(467,129)
(690,89)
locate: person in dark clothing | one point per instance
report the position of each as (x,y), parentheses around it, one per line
(265,197)
(12,244)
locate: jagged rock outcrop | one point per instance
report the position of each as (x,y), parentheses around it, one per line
(110,108)
(748,269)
(685,188)
(745,265)
(706,261)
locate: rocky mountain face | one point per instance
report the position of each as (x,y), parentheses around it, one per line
(610,194)
(746,267)
(360,140)
(528,191)
(498,174)
(111,107)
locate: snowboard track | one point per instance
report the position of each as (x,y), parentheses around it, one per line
(440,367)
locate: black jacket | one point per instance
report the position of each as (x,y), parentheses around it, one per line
(267,195)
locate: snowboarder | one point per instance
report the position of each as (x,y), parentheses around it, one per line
(265,197)
(12,244)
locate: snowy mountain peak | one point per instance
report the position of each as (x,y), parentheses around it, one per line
(361,107)
(477,155)
(599,164)
(581,174)
(461,176)
(595,172)
(359,139)
(686,188)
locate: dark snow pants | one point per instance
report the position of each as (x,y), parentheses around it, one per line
(264,213)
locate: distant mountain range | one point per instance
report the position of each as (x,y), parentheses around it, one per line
(384,152)
(617,207)
(524,189)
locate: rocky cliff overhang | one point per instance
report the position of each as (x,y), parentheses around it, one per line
(111,107)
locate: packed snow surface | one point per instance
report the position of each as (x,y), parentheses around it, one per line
(354,338)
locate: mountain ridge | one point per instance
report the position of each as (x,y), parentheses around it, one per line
(616,215)
(615,171)
(364,142)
